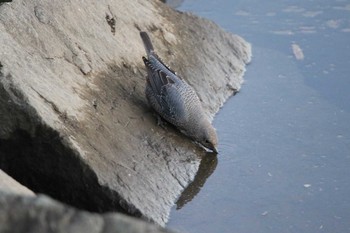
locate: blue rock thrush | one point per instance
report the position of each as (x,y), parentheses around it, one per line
(175,100)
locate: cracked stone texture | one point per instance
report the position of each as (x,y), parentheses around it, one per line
(42,214)
(74,120)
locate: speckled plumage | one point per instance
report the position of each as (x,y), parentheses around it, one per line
(175,100)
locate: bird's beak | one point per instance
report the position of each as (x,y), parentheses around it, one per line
(215,150)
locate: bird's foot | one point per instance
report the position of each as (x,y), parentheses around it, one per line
(160,122)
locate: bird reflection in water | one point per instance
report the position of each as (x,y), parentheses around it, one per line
(206,168)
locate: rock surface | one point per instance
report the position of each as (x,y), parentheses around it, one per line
(9,185)
(74,121)
(42,214)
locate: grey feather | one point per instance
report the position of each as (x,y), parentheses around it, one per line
(146,42)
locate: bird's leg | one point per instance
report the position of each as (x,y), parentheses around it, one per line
(160,122)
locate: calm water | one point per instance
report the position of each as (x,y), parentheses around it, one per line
(284,162)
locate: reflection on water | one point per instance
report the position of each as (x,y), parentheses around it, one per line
(206,168)
(285,137)
(173,3)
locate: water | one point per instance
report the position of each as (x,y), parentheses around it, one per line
(284,162)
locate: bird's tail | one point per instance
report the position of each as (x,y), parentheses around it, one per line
(147,42)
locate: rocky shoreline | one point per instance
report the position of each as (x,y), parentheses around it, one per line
(74,121)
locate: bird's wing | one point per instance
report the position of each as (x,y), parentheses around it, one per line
(173,103)
(165,88)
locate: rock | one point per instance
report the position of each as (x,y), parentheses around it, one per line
(74,121)
(42,214)
(9,185)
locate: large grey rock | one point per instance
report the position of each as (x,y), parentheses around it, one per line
(74,121)
(42,214)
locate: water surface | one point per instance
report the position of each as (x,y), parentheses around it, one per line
(284,162)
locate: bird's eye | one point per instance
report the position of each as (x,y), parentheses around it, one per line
(206,141)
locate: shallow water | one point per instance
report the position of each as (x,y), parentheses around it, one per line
(284,162)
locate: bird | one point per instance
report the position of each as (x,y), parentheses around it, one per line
(175,100)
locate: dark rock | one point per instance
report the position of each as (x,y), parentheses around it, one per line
(74,121)
(36,214)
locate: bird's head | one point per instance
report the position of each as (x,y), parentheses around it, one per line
(208,137)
